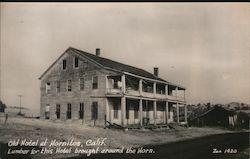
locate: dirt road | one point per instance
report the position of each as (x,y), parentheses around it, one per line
(199,148)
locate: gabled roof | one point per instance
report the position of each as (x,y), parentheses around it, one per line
(231,112)
(110,64)
(117,65)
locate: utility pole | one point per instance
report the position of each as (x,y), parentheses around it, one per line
(20,103)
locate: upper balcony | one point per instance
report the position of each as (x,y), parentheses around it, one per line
(118,86)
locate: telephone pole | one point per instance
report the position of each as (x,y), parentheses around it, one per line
(20,103)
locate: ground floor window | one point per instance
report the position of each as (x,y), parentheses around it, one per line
(127,112)
(116,111)
(81,111)
(58,110)
(47,109)
(69,111)
(94,111)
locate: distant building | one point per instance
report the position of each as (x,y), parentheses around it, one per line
(221,117)
(83,87)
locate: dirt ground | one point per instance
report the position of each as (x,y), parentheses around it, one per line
(33,129)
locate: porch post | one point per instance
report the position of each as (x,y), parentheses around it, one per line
(177,110)
(166,112)
(184,94)
(107,84)
(185,106)
(123,84)
(107,111)
(140,110)
(123,110)
(155,116)
(166,90)
(140,86)
(154,89)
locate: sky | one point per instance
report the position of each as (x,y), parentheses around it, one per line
(202,46)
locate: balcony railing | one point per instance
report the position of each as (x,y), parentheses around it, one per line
(176,98)
(114,91)
(132,92)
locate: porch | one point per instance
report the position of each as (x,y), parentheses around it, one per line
(143,112)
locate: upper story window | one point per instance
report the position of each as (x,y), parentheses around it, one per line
(69,85)
(81,83)
(47,87)
(64,64)
(58,110)
(58,86)
(47,111)
(76,62)
(95,82)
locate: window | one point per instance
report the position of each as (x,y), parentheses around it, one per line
(136,110)
(81,111)
(81,83)
(64,64)
(48,87)
(58,111)
(116,111)
(69,85)
(127,112)
(95,82)
(69,111)
(58,86)
(47,109)
(76,62)
(94,111)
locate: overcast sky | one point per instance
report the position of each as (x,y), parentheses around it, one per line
(202,46)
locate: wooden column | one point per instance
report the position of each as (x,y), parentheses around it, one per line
(166,90)
(166,112)
(123,101)
(177,111)
(184,93)
(123,110)
(154,89)
(140,86)
(107,111)
(140,110)
(155,116)
(107,84)
(123,84)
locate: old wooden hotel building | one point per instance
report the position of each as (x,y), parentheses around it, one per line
(87,88)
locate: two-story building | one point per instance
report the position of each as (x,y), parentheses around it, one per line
(87,88)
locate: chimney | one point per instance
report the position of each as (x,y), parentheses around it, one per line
(97,51)
(156,71)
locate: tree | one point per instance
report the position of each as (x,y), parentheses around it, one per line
(2,106)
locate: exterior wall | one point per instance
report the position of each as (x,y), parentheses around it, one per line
(75,97)
(89,95)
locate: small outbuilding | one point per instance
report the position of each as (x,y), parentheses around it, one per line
(216,116)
